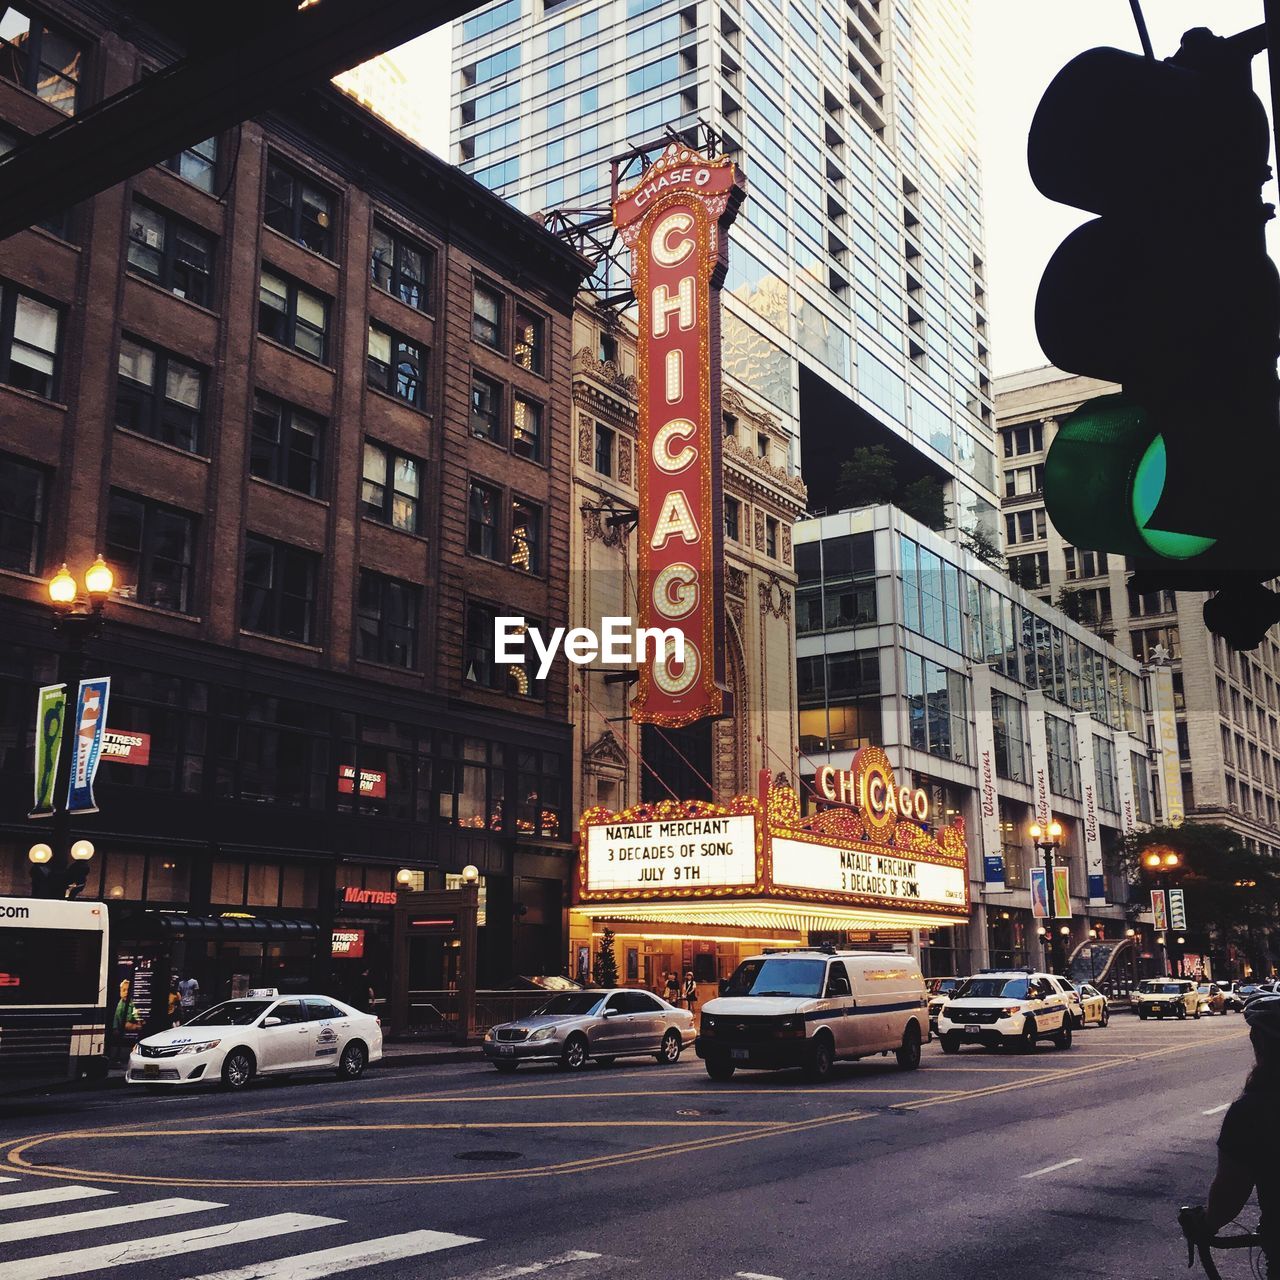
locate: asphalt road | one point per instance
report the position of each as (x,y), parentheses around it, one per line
(981,1165)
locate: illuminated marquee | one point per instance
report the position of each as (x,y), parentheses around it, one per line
(870,787)
(674,221)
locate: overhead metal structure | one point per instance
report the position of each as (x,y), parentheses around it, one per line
(236,60)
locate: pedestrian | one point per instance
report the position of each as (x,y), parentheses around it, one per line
(671,990)
(188,994)
(175,1002)
(124,1025)
(690,992)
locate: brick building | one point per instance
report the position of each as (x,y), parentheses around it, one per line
(249,377)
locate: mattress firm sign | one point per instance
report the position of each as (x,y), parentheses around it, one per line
(887,877)
(677,853)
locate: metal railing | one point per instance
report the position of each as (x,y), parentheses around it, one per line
(433,1015)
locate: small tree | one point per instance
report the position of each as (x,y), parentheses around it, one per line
(606,973)
(925,501)
(979,543)
(868,477)
(1073,604)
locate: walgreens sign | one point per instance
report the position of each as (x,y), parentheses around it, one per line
(675,221)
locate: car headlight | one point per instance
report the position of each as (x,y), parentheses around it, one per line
(1010,1011)
(199,1047)
(489,1035)
(543,1033)
(708,1026)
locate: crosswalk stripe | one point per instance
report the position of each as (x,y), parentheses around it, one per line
(511,1271)
(90,1219)
(129,1252)
(347,1257)
(50,1195)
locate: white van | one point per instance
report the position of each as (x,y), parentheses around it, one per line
(810,1008)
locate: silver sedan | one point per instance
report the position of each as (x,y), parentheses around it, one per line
(576,1026)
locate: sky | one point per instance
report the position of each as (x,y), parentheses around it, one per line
(1019,46)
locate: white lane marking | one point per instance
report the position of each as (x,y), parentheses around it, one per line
(347,1257)
(1053,1168)
(129,1252)
(89,1219)
(512,1271)
(50,1195)
(1213,1111)
(754,1275)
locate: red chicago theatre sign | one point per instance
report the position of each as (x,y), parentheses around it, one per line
(675,221)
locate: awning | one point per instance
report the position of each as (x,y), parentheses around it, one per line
(221,927)
(764,913)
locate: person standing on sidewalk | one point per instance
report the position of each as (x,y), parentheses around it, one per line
(125,1024)
(690,992)
(671,992)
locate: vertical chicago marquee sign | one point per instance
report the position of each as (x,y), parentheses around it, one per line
(675,221)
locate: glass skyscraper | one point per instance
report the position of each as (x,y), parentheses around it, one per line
(855,298)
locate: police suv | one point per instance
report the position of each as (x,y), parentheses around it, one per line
(1000,1007)
(809,1008)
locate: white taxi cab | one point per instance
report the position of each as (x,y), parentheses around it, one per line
(263,1034)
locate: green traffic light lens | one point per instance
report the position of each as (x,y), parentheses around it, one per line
(1148,486)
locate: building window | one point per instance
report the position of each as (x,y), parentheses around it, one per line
(23,494)
(526,536)
(1031,571)
(528,352)
(279,597)
(29,331)
(286,445)
(732,518)
(1010,740)
(198,164)
(486,408)
(42,61)
(1064,773)
(150,548)
(292,315)
(299,209)
(604,450)
(526,428)
(1028,438)
(387,620)
(159,395)
(771,537)
(1025,526)
(484,504)
(396,365)
(480,665)
(1084,564)
(1020,482)
(608,351)
(486,316)
(171,253)
(400,267)
(391,487)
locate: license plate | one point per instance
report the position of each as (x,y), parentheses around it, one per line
(971,1030)
(506,1049)
(740,1055)
(150,1069)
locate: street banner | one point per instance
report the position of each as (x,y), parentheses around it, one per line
(1039,757)
(1039,893)
(675,221)
(51,715)
(90,728)
(1165,722)
(1061,893)
(1089,797)
(1124,781)
(1177,910)
(1157,910)
(988,797)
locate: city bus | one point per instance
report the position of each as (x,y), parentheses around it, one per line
(53,990)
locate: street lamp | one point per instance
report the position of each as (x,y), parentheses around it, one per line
(1161,862)
(1047,840)
(64,871)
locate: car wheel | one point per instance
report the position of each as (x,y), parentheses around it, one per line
(1063,1039)
(821,1058)
(669,1051)
(1106,1017)
(950,1044)
(574,1057)
(355,1058)
(506,1068)
(1027,1041)
(1197,1012)
(908,1053)
(719,1069)
(238,1068)
(1142,1017)
(1182,1012)
(607,1061)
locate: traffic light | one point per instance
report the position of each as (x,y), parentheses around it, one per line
(1168,291)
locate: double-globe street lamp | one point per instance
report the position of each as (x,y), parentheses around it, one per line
(59,868)
(1047,839)
(1160,863)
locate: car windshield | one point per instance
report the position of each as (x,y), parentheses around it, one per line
(572,1004)
(1206,988)
(234,1013)
(1162,988)
(993,989)
(777,977)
